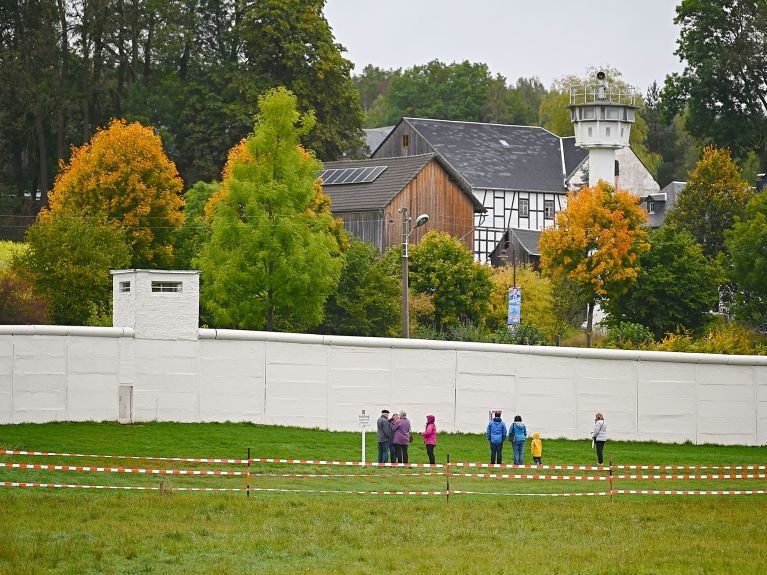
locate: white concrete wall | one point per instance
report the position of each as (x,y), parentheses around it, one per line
(59,373)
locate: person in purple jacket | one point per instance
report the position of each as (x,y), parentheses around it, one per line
(401,438)
(430,438)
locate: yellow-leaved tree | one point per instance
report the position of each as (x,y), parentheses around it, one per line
(595,244)
(124,176)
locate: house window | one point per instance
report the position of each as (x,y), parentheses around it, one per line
(548,209)
(524,208)
(124,287)
(166,287)
(589,132)
(650,207)
(607,132)
(405,140)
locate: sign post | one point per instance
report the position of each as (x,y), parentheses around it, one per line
(364,424)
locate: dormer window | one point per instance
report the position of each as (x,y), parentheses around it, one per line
(405,140)
(650,207)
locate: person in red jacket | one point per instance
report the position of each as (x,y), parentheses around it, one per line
(430,437)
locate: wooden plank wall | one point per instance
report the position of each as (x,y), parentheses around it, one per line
(392,147)
(367,226)
(431,192)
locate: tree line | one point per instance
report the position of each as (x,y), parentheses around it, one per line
(192,69)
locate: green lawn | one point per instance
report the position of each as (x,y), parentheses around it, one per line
(83,531)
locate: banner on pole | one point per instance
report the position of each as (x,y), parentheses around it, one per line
(515,306)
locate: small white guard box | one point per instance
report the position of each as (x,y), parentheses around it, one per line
(157,304)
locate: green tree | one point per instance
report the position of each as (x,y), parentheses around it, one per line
(595,244)
(273,257)
(194,232)
(713,199)
(722,89)
(289,43)
(367,301)
(747,245)
(444,270)
(677,286)
(456,91)
(68,262)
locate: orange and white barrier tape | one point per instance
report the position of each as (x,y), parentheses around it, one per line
(679,467)
(537,477)
(342,463)
(118,487)
(576,494)
(666,492)
(553,467)
(720,476)
(119,469)
(145,457)
(313,475)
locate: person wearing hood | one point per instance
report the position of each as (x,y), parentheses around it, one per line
(496,435)
(430,438)
(517,436)
(536,448)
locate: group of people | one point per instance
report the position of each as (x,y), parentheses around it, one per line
(395,435)
(496,434)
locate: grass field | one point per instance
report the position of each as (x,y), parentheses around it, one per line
(83,531)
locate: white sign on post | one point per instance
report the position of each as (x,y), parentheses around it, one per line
(364,424)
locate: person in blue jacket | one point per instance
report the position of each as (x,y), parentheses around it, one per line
(517,436)
(496,435)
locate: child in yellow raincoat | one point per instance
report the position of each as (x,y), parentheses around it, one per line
(536,448)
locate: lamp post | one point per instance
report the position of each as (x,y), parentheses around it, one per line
(406,231)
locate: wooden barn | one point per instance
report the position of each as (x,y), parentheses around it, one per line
(367,196)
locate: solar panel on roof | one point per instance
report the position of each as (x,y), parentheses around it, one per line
(334,177)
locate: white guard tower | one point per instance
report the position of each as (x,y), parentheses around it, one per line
(158,304)
(602,115)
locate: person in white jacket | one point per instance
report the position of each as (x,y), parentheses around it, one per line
(599,435)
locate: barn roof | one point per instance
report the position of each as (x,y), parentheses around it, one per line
(377,194)
(500,156)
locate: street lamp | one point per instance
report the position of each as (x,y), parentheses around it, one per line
(406,231)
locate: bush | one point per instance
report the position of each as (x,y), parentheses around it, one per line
(524,334)
(627,335)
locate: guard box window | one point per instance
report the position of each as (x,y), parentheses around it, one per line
(166,287)
(124,287)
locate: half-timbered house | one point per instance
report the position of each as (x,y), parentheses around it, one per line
(368,195)
(520,175)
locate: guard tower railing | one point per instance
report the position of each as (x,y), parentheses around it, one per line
(603,93)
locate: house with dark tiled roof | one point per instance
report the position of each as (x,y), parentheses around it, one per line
(369,194)
(520,175)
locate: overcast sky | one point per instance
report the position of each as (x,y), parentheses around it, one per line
(544,38)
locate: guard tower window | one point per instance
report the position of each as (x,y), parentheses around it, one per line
(524,208)
(124,287)
(158,287)
(548,209)
(405,140)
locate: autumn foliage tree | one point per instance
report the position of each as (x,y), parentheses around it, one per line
(595,244)
(123,175)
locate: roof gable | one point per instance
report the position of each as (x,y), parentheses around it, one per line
(497,155)
(379,193)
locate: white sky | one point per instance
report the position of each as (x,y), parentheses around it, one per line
(544,38)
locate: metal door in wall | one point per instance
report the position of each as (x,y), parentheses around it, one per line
(125,411)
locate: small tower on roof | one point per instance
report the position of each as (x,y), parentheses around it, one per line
(602,114)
